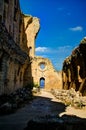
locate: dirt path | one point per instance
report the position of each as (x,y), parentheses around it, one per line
(42,105)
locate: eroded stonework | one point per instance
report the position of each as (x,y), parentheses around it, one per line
(43,71)
(15,43)
(74,69)
(18,64)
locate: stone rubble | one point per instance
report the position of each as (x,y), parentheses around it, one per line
(70,97)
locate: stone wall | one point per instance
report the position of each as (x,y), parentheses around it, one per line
(18,64)
(32,26)
(74,69)
(10,14)
(15,60)
(12,62)
(42,68)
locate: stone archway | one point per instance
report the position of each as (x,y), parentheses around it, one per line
(42,82)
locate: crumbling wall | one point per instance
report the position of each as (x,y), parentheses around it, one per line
(32,26)
(74,69)
(52,78)
(12,62)
(12,58)
(15,42)
(10,14)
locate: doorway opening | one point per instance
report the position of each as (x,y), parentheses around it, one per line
(42,82)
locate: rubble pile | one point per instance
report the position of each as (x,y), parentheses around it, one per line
(70,97)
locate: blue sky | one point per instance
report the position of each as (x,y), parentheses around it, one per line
(62,27)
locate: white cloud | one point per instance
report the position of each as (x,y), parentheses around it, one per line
(77,28)
(59,50)
(41,49)
(63,49)
(56,55)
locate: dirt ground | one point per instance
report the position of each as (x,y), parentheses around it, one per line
(67,110)
(43,104)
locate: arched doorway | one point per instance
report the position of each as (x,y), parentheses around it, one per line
(42,82)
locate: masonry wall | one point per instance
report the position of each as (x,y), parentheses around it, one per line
(11,56)
(74,69)
(53,79)
(32,26)
(15,60)
(13,63)
(18,64)
(10,16)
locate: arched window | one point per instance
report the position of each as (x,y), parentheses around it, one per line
(42,82)
(42,65)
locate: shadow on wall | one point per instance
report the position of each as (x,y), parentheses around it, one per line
(15,67)
(74,69)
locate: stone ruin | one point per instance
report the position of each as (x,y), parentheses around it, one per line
(15,46)
(74,69)
(18,63)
